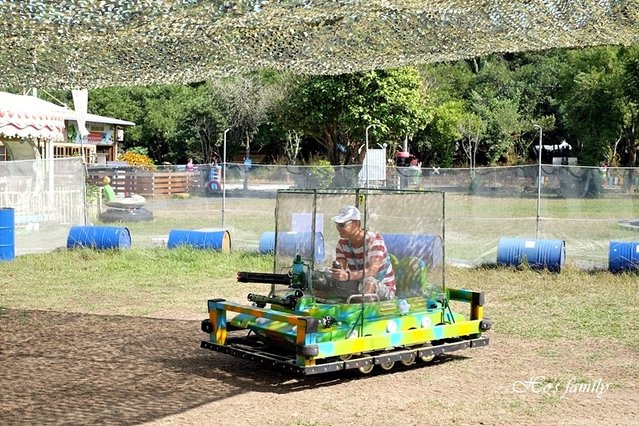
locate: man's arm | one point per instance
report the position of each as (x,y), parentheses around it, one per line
(375,256)
(373,265)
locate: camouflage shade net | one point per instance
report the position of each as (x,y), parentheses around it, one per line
(101,43)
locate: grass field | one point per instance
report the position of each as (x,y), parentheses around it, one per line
(176,283)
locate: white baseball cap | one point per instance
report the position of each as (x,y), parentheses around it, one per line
(347,213)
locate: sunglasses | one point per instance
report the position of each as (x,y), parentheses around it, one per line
(343,225)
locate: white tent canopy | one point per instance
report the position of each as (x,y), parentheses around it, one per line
(30,117)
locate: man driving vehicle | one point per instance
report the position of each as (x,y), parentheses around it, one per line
(362,256)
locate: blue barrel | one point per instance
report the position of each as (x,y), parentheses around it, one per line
(293,243)
(539,254)
(206,240)
(623,256)
(7,234)
(427,247)
(99,237)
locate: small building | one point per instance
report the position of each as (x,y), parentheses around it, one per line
(33,128)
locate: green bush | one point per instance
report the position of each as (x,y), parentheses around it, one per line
(321,174)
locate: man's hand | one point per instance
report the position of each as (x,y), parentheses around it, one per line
(340,274)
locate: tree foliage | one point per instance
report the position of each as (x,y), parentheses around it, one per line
(598,107)
(442,134)
(336,110)
(472,112)
(246,102)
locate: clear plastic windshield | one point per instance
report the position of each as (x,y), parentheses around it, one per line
(395,250)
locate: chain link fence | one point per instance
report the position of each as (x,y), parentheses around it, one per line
(587,207)
(47,197)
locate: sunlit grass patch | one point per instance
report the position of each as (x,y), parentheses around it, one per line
(573,304)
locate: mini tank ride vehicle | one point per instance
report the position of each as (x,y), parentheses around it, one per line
(310,323)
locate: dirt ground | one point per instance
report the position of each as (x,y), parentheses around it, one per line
(71,368)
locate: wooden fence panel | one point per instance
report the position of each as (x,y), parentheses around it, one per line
(147,182)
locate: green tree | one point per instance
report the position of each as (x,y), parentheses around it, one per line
(593,103)
(630,140)
(201,125)
(447,81)
(483,89)
(123,103)
(247,102)
(156,110)
(494,98)
(472,129)
(503,125)
(172,122)
(441,135)
(162,121)
(539,77)
(334,110)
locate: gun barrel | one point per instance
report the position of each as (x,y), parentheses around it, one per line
(259,277)
(287,302)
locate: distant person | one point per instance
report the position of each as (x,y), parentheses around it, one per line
(603,170)
(362,256)
(189,165)
(122,201)
(415,171)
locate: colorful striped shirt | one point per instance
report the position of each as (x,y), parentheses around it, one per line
(376,253)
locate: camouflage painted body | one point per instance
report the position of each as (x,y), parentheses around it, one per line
(395,323)
(319,336)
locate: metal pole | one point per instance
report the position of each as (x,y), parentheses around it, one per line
(224,180)
(366,159)
(538,180)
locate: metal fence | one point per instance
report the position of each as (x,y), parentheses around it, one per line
(584,206)
(48,196)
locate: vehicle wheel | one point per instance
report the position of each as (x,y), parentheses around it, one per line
(410,360)
(346,357)
(206,326)
(427,358)
(366,369)
(387,365)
